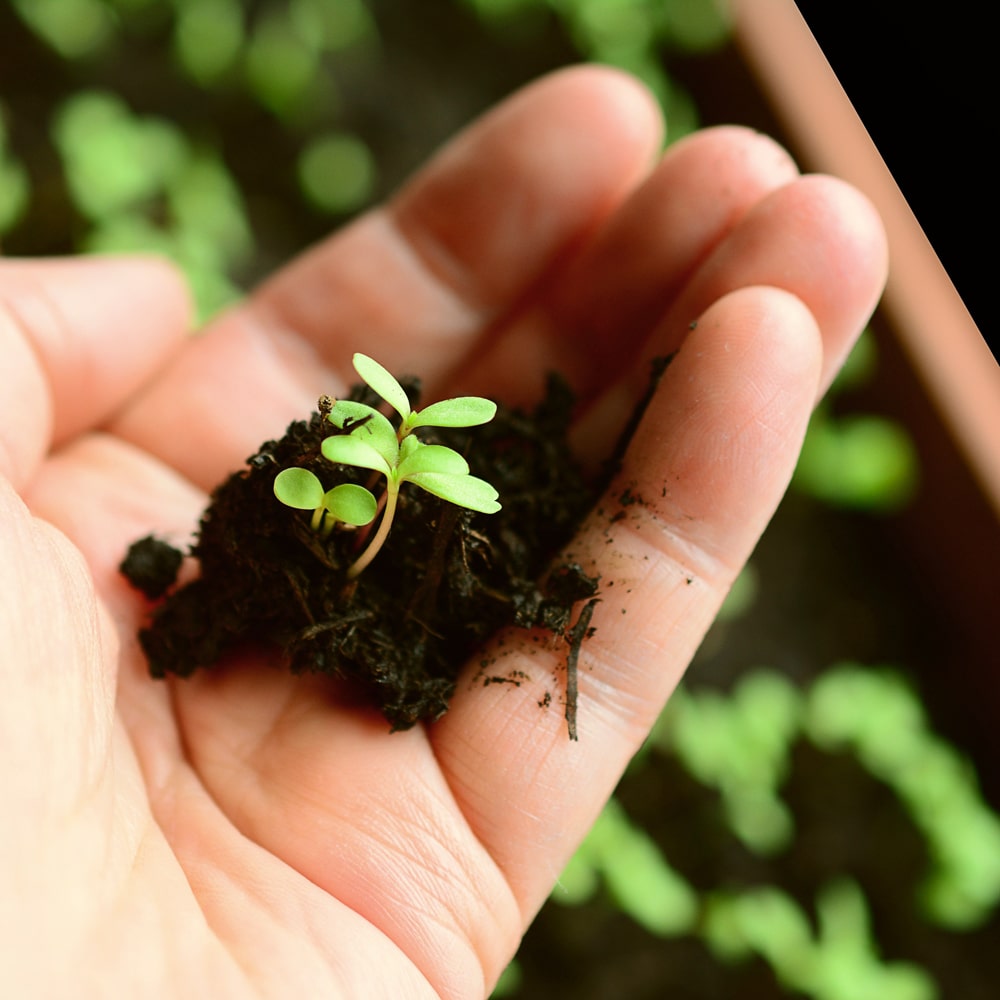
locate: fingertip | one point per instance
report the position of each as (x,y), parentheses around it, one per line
(627,102)
(691,201)
(850,212)
(815,236)
(758,155)
(600,99)
(719,441)
(844,294)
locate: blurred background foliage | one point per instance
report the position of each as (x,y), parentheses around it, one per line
(230,133)
(795,829)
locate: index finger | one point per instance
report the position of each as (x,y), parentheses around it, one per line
(701,478)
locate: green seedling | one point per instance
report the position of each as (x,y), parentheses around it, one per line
(368,440)
(371,442)
(344,504)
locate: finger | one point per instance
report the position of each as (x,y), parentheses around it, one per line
(598,313)
(103,494)
(817,238)
(418,282)
(58,700)
(78,337)
(704,473)
(495,211)
(56,719)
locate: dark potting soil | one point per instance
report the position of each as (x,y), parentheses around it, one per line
(446,579)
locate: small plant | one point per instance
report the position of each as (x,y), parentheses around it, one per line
(346,504)
(368,440)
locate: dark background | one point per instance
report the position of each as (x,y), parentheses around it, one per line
(922,83)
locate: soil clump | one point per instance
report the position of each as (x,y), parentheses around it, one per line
(446,579)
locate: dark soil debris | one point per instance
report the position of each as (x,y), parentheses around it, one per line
(151,566)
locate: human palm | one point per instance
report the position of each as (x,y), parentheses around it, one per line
(246,832)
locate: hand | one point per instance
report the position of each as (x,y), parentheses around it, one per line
(242,832)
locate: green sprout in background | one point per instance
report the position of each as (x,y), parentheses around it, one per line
(143,186)
(635,35)
(304,82)
(741,746)
(368,440)
(14,183)
(337,172)
(859,461)
(839,960)
(76,29)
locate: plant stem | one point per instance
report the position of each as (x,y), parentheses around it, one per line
(391,496)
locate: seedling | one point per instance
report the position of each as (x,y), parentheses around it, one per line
(368,440)
(346,504)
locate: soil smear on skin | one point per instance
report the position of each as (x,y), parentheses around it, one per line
(446,579)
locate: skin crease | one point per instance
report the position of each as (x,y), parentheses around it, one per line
(245,833)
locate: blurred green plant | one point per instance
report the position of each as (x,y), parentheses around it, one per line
(839,961)
(74,28)
(741,746)
(282,64)
(859,461)
(337,172)
(127,170)
(114,160)
(634,35)
(142,182)
(638,878)
(877,717)
(208,38)
(15,189)
(143,186)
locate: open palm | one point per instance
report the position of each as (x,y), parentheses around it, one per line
(246,832)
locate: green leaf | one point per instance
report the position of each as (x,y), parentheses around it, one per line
(639,877)
(351,503)
(347,411)
(858,461)
(383,382)
(375,429)
(337,172)
(298,488)
(346,449)
(208,38)
(462,411)
(409,445)
(465,491)
(432,458)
